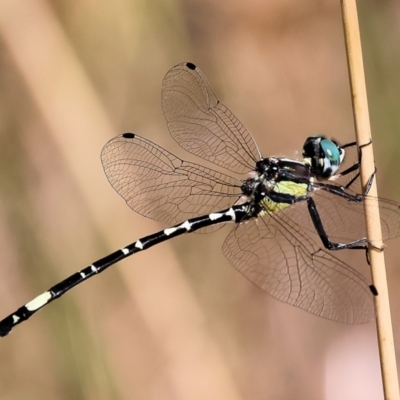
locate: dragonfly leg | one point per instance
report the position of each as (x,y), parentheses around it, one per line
(360,244)
(351,169)
(357,166)
(369,183)
(338,191)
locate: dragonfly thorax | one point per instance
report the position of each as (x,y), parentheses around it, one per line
(280,168)
(275,184)
(262,179)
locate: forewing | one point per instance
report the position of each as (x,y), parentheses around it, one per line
(286,263)
(202,125)
(158,185)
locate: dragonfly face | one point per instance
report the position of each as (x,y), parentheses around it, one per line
(323,155)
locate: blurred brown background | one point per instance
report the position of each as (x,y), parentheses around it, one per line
(176,322)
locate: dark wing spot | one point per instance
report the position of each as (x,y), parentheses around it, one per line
(128,135)
(191,65)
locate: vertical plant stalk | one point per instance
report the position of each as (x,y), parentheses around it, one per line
(363,135)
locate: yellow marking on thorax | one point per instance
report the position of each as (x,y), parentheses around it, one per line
(292,188)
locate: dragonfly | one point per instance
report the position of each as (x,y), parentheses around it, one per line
(276,204)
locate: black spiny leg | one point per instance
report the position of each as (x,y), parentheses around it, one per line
(353,168)
(357,166)
(360,244)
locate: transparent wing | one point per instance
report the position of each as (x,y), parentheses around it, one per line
(202,125)
(268,252)
(158,185)
(344,220)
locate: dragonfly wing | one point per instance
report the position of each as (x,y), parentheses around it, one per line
(300,273)
(158,185)
(202,125)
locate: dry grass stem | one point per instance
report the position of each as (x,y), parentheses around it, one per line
(363,135)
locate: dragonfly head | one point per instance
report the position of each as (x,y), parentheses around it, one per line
(323,155)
